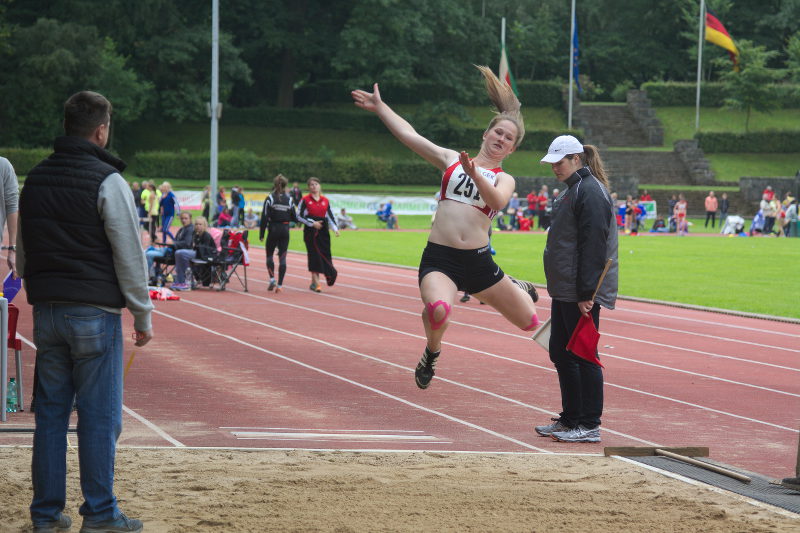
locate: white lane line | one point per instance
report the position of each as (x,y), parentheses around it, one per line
(378,326)
(350,381)
(157,430)
(325,430)
(160,432)
(527,337)
(621,307)
(490,311)
(363,437)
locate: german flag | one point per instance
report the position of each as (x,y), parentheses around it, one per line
(717,34)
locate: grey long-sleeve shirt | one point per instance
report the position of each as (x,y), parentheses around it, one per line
(121,223)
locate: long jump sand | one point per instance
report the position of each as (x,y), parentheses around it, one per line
(187,490)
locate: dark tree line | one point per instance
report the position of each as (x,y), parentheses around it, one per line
(152,57)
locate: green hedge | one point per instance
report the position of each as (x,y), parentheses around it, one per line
(768,141)
(244,165)
(308,117)
(531,93)
(712,94)
(24,159)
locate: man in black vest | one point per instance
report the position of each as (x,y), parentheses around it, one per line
(80,256)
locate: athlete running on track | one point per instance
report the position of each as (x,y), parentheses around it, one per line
(457,256)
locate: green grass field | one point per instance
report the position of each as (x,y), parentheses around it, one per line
(745,274)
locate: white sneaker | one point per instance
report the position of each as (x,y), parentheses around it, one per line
(578,434)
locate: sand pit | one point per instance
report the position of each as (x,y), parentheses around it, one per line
(175,491)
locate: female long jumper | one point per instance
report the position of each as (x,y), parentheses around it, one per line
(473,190)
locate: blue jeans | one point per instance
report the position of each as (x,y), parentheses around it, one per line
(78,353)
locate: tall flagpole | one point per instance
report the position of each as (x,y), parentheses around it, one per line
(571,60)
(503,35)
(699,63)
(214,105)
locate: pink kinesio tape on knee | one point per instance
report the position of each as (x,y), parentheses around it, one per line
(534,323)
(432,307)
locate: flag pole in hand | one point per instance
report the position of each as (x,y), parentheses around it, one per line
(583,342)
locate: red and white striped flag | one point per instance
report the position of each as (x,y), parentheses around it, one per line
(505,71)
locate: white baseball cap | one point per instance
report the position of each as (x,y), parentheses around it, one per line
(562,146)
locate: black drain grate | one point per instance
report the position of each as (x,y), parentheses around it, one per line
(759,488)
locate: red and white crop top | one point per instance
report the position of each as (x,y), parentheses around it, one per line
(458,186)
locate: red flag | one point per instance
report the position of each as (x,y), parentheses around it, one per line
(505,71)
(583,342)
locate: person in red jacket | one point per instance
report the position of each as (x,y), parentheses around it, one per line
(315,212)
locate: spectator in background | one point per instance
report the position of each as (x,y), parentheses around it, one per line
(136,189)
(9,188)
(235,197)
(296,193)
(543,196)
(630,213)
(224,220)
(220,202)
(790,220)
(768,210)
(645,197)
(548,210)
(153,208)
(169,205)
(681,208)
(711,209)
(345,221)
(206,201)
(512,210)
(203,247)
(250,219)
(533,205)
(724,205)
(385,214)
(768,192)
(239,221)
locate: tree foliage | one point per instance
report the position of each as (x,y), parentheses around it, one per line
(748,87)
(155,54)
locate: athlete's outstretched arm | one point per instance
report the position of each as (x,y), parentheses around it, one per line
(402,130)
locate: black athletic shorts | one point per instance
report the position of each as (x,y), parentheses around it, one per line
(471,270)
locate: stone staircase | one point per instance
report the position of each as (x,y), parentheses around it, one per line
(610,125)
(665,168)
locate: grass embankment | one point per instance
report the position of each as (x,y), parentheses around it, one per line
(679,122)
(720,272)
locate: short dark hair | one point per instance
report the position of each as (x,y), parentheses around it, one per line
(84,112)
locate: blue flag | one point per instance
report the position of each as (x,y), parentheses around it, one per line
(575,54)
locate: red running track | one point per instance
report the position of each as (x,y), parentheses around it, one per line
(335,371)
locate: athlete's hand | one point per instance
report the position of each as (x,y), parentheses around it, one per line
(317,224)
(467,164)
(365,100)
(336,232)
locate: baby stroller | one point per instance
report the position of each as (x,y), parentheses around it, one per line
(218,268)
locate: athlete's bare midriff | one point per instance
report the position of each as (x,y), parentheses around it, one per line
(460,226)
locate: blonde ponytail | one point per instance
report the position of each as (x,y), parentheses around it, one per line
(591,158)
(505,101)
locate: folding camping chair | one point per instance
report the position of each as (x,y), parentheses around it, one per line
(220,268)
(15,344)
(164,266)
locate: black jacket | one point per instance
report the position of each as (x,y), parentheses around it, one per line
(68,255)
(582,236)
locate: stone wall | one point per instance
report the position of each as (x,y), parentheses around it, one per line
(640,107)
(697,166)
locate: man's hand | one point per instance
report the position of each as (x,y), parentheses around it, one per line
(585,306)
(143,337)
(11,259)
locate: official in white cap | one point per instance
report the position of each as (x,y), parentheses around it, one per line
(582,237)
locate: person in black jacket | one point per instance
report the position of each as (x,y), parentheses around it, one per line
(277,213)
(582,237)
